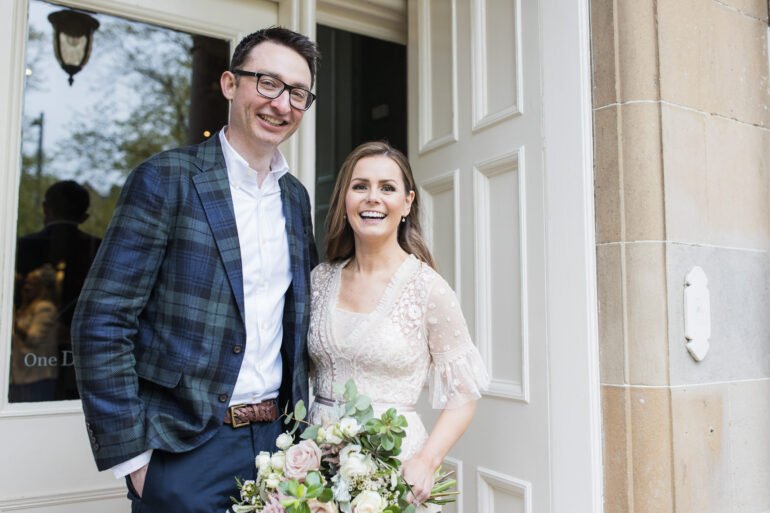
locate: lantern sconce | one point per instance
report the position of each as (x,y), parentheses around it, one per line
(73,35)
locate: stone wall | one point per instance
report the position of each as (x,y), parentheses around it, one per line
(682,135)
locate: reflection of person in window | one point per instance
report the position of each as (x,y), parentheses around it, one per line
(70,251)
(35,349)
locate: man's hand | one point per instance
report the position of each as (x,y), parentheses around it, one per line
(137,479)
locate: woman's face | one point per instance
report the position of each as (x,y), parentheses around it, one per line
(376,199)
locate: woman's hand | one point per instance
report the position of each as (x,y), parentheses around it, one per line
(419,473)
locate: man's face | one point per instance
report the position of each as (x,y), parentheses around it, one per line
(256,121)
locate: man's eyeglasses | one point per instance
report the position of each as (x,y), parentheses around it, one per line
(271,87)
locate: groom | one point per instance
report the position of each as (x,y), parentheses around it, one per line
(189,335)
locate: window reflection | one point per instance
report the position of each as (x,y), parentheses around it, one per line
(144,89)
(51,266)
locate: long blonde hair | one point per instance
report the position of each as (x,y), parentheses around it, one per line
(340,243)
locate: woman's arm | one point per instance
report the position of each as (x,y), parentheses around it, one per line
(420,470)
(456,379)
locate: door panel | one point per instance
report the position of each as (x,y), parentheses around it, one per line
(476,136)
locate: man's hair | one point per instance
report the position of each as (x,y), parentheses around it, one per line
(67,200)
(282,36)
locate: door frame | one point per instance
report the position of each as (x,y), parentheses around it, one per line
(572,326)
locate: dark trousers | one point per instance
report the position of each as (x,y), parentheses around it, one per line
(203,480)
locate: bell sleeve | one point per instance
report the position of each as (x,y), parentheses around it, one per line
(457,374)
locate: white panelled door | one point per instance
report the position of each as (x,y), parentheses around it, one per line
(477,146)
(46,458)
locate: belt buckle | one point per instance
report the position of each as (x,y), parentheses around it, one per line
(233,420)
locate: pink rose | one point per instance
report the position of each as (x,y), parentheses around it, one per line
(273,506)
(301,459)
(322,507)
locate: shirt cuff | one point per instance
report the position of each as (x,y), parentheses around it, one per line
(121,470)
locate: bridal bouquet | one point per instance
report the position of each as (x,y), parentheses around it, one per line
(350,466)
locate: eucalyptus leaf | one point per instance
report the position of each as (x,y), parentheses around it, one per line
(299,410)
(363,402)
(313,479)
(351,390)
(310,433)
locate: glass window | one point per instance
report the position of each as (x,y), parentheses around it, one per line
(142,89)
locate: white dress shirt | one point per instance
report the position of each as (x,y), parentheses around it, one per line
(266,272)
(266,278)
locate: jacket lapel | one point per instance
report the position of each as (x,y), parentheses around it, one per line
(213,188)
(292,212)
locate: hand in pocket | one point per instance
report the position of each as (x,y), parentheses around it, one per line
(137,479)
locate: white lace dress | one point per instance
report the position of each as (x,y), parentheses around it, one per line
(416,333)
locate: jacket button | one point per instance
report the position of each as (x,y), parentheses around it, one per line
(223,398)
(237,349)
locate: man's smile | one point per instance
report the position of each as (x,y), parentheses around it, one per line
(271,120)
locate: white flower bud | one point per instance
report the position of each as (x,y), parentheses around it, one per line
(278,460)
(284,441)
(262,461)
(349,427)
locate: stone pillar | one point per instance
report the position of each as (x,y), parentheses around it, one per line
(682,169)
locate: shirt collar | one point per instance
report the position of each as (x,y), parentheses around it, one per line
(241,174)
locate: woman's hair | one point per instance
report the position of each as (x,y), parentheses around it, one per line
(340,243)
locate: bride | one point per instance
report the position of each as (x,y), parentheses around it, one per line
(382,316)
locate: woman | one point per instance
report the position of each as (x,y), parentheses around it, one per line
(35,346)
(383,316)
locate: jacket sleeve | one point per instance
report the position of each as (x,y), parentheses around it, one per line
(105,322)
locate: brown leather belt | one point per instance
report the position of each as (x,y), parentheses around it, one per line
(241,415)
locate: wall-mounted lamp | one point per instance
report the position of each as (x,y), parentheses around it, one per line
(73,35)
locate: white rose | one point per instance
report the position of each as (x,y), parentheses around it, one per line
(332,436)
(277,460)
(368,502)
(273,480)
(349,427)
(353,463)
(284,441)
(262,461)
(347,450)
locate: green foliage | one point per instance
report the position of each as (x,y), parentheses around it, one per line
(358,453)
(155,64)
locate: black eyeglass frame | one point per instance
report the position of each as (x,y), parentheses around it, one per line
(286,87)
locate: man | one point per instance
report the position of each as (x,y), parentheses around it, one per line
(189,335)
(70,251)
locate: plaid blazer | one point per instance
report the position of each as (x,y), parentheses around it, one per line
(162,308)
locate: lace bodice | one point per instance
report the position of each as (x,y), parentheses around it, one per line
(416,333)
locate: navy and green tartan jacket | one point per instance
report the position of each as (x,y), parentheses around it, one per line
(162,309)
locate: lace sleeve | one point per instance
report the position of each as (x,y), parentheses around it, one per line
(457,374)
